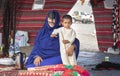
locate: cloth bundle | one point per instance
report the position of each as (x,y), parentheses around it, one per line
(107,66)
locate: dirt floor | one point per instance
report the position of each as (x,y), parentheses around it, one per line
(89,60)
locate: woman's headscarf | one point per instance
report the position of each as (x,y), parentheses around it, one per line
(53,15)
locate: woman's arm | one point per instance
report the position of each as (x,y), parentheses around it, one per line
(35,51)
(75,47)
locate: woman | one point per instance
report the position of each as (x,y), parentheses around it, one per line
(46,50)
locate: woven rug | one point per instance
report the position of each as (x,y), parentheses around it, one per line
(8,70)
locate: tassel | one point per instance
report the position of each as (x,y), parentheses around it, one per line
(82,2)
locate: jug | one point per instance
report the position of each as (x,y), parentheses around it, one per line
(20,60)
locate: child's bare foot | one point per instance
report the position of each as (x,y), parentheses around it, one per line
(70,50)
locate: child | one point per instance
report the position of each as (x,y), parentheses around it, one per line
(67,36)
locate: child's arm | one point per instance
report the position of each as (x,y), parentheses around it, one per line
(73,36)
(55,32)
(53,35)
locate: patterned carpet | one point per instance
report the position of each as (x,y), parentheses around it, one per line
(8,71)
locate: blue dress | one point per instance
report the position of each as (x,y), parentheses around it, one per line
(47,47)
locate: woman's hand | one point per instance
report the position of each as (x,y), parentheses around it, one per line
(70,50)
(65,41)
(37,60)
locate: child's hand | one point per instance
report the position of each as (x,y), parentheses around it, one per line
(53,35)
(65,41)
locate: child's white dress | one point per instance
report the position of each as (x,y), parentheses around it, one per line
(66,34)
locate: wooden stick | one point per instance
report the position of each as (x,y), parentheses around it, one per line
(65,47)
